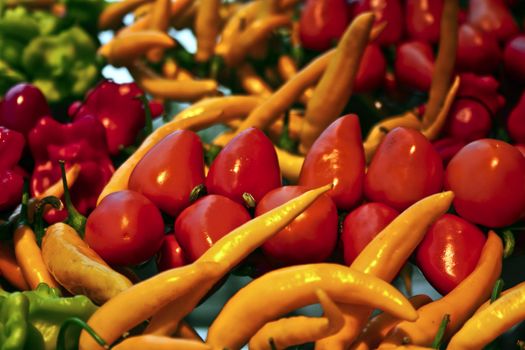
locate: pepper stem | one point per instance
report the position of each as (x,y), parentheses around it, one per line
(272,344)
(441,332)
(61,339)
(509,243)
(74,218)
(496,291)
(217,62)
(285,141)
(39,215)
(197,192)
(24,217)
(148,127)
(249,201)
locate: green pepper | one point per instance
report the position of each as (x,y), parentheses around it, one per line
(17,23)
(47,23)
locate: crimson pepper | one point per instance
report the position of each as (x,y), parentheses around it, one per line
(423,19)
(170,254)
(447,148)
(385,11)
(516,121)
(492,16)
(513,57)
(81,142)
(117,107)
(11,176)
(372,70)
(478,51)
(414,65)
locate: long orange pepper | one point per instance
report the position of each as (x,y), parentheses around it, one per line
(9,266)
(159,20)
(460,303)
(252,82)
(155,342)
(384,257)
(207,24)
(112,15)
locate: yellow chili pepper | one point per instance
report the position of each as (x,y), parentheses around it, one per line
(287,289)
(229,251)
(185,18)
(433,130)
(178,90)
(159,20)
(124,49)
(252,82)
(287,69)
(139,302)
(385,255)
(140,24)
(379,326)
(492,321)
(335,87)
(187,332)
(297,330)
(207,24)
(290,164)
(155,342)
(200,115)
(445,60)
(378,132)
(9,266)
(142,10)
(112,15)
(79,268)
(460,303)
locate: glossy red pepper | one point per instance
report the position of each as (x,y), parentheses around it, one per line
(516,121)
(337,156)
(247,164)
(204,222)
(81,142)
(22,106)
(414,64)
(449,252)
(492,16)
(404,169)
(478,51)
(309,238)
(513,57)
(322,23)
(423,18)
(447,148)
(119,111)
(170,254)
(385,11)
(362,225)
(11,177)
(372,70)
(125,228)
(487,177)
(169,171)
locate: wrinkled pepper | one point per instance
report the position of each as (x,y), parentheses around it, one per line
(81,142)
(11,147)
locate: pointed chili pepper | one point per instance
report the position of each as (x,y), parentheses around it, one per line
(11,147)
(513,57)
(385,11)
(170,254)
(478,51)
(113,14)
(493,17)
(422,19)
(414,65)
(372,70)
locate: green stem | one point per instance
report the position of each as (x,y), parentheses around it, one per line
(285,142)
(211,153)
(496,291)
(217,63)
(197,192)
(61,339)
(509,243)
(39,215)
(74,218)
(24,217)
(148,127)
(249,201)
(441,332)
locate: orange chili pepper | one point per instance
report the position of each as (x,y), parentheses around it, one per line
(112,15)
(433,130)
(155,342)
(9,266)
(287,69)
(159,20)
(460,303)
(207,24)
(252,82)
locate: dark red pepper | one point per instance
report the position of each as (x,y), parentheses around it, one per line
(447,148)
(493,17)
(388,11)
(170,254)
(116,106)
(513,57)
(423,18)
(449,252)
(11,176)
(478,51)
(516,121)
(322,23)
(414,65)
(372,70)
(82,142)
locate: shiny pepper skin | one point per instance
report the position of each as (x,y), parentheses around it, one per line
(248,163)
(337,156)
(372,70)
(170,254)
(516,121)
(170,170)
(414,65)
(493,17)
(449,252)
(513,56)
(478,51)
(422,19)
(404,169)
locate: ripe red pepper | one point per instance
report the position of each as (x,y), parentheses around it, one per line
(492,16)
(309,238)
(247,164)
(404,169)
(478,51)
(22,106)
(204,222)
(388,11)
(372,70)
(11,176)
(414,65)
(362,225)
(81,142)
(170,254)
(117,107)
(423,18)
(337,157)
(516,121)
(447,148)
(322,23)
(514,56)
(170,171)
(449,252)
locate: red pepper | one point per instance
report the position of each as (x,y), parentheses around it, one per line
(423,18)
(388,11)
(514,56)
(478,51)
(116,106)
(447,148)
(492,16)
(449,252)
(372,70)
(81,142)
(322,23)
(11,176)
(414,65)
(170,254)
(516,121)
